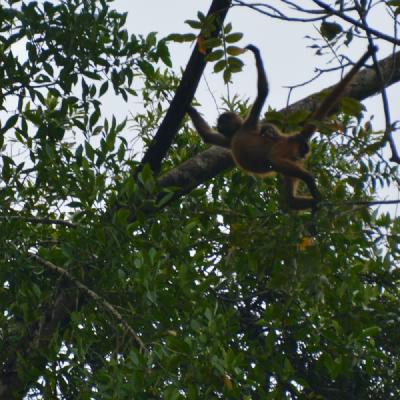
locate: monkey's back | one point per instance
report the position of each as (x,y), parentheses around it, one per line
(250,153)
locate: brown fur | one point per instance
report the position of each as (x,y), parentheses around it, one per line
(264,150)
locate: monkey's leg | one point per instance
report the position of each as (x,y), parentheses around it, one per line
(296,202)
(292,169)
(205,131)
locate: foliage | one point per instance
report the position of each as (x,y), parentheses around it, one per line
(218,49)
(230,293)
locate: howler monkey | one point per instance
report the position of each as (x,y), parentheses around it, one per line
(261,149)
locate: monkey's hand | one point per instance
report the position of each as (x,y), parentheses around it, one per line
(372,49)
(252,48)
(192,111)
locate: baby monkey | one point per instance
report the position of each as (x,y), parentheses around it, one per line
(262,149)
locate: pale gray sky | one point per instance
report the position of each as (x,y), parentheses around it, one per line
(283,45)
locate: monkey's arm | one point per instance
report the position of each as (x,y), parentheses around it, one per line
(262,88)
(207,134)
(333,97)
(295,201)
(292,169)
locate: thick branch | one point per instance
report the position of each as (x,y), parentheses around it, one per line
(197,170)
(214,160)
(55,317)
(183,96)
(90,293)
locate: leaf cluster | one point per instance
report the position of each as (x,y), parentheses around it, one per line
(220,50)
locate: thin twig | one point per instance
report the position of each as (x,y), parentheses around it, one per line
(388,125)
(369,203)
(90,293)
(211,93)
(318,73)
(44,221)
(275,13)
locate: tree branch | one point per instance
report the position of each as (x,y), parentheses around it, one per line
(55,316)
(42,221)
(90,293)
(197,170)
(274,12)
(183,96)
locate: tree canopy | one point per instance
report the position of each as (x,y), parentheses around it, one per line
(174,275)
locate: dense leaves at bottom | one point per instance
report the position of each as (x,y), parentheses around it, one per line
(224,290)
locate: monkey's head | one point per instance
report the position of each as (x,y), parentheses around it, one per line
(228,123)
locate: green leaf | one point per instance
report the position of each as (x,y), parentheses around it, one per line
(163,52)
(146,68)
(297,117)
(6,171)
(94,118)
(92,75)
(235,51)
(227,74)
(146,177)
(193,24)
(233,37)
(351,106)
(371,331)
(121,152)
(349,37)
(103,88)
(89,151)
(177,37)
(212,42)
(151,39)
(219,66)
(215,55)
(10,123)
(330,30)
(235,62)
(227,28)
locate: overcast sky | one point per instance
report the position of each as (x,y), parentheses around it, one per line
(283,45)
